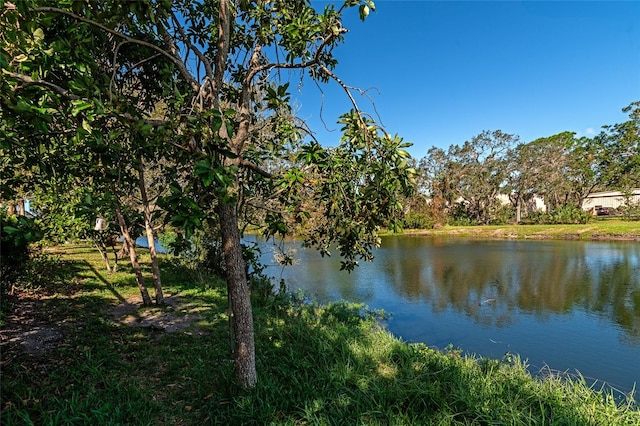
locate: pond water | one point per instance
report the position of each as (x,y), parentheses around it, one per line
(564,306)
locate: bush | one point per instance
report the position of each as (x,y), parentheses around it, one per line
(202,251)
(503,215)
(537,217)
(416,220)
(569,215)
(16,234)
(629,211)
(566,215)
(460,216)
(169,240)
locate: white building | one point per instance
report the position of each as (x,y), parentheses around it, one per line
(613,199)
(533,205)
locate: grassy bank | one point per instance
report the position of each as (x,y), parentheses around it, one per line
(79,350)
(597,229)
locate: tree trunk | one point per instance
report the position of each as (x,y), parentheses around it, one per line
(114,269)
(242,317)
(518,209)
(157,283)
(146,299)
(103,243)
(103,253)
(21,210)
(124,251)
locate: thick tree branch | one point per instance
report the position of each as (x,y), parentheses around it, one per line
(33,82)
(220,60)
(254,167)
(244,121)
(27,80)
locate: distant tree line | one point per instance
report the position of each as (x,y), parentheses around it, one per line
(494,177)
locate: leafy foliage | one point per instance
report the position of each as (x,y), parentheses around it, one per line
(16,234)
(195,88)
(561,216)
(561,170)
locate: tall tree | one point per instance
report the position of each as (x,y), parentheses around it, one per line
(558,168)
(479,170)
(218,68)
(618,164)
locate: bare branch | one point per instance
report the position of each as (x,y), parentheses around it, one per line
(254,167)
(139,63)
(115,64)
(322,107)
(307,64)
(185,39)
(341,83)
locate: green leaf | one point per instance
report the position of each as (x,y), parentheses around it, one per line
(79,105)
(364,12)
(146,129)
(22,106)
(10,229)
(38,34)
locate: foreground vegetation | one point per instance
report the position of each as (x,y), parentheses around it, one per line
(597,229)
(317,365)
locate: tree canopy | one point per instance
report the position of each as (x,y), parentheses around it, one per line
(464,182)
(95,94)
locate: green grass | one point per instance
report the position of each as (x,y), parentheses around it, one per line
(597,229)
(317,365)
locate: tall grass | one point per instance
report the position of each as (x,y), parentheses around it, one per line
(331,364)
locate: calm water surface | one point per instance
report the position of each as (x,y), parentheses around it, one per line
(568,306)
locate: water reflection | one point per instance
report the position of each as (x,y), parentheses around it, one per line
(487,280)
(567,304)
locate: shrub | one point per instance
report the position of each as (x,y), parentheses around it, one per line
(460,216)
(16,234)
(537,217)
(629,211)
(503,215)
(565,215)
(169,240)
(417,220)
(568,215)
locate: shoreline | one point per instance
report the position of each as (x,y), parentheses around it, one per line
(599,231)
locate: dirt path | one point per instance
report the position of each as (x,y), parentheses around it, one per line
(177,315)
(28,329)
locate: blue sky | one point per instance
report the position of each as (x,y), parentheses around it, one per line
(440,72)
